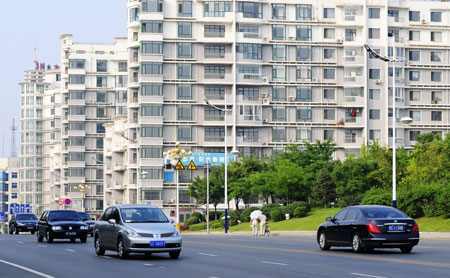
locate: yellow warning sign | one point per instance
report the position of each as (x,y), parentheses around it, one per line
(192,166)
(179,166)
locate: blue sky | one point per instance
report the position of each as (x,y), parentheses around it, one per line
(27,24)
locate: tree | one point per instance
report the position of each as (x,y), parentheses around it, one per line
(289,181)
(324,190)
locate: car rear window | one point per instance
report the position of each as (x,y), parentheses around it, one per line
(382,213)
(63,216)
(84,216)
(26,217)
(143,215)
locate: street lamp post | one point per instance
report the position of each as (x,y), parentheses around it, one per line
(82,188)
(177,154)
(207,195)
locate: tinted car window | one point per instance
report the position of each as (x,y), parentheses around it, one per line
(340,215)
(63,215)
(115,215)
(382,212)
(84,216)
(26,217)
(352,215)
(143,215)
(106,214)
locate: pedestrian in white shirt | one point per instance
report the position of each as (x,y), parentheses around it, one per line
(255,226)
(262,223)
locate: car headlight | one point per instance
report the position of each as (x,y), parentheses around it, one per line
(132,233)
(83,228)
(20,224)
(176,233)
(91,225)
(56,228)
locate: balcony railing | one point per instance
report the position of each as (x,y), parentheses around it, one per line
(214,138)
(214,75)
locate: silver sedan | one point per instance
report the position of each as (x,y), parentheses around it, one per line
(136,229)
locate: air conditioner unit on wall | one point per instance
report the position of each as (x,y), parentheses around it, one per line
(265,79)
(339,40)
(265,101)
(265,39)
(378,81)
(170,200)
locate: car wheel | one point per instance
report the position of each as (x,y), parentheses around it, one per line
(406,250)
(17,231)
(123,254)
(83,239)
(174,254)
(32,232)
(356,244)
(39,237)
(73,240)
(323,244)
(98,248)
(49,237)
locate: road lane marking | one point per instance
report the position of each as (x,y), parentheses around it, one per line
(106,257)
(40,245)
(27,269)
(322,253)
(266,262)
(206,254)
(367,275)
(18,241)
(147,264)
(70,250)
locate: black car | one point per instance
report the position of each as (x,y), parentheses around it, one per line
(87,220)
(22,222)
(367,227)
(56,224)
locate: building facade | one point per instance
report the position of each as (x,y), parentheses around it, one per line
(9,184)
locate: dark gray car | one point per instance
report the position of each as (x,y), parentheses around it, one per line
(136,229)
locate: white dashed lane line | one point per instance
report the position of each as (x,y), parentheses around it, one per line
(206,254)
(70,250)
(267,262)
(20,242)
(367,275)
(40,245)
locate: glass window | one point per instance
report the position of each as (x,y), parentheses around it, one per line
(214,72)
(374,94)
(184,50)
(250,50)
(374,114)
(436,16)
(414,95)
(278,134)
(102,81)
(152,68)
(215,92)
(436,116)
(436,97)
(329,94)
(184,91)
(329,33)
(414,16)
(304,134)
(102,65)
(184,71)
(436,56)
(248,93)
(394,14)
(184,133)
(214,134)
(216,8)
(303,72)
(185,29)
(328,134)
(248,134)
(214,31)
(374,73)
(374,134)
(279,11)
(415,115)
(185,9)
(414,35)
(214,51)
(213,114)
(329,73)
(152,47)
(329,114)
(250,9)
(303,12)
(414,55)
(436,76)
(151,89)
(303,94)
(279,114)
(278,32)
(303,114)
(304,33)
(151,110)
(76,79)
(414,75)
(329,53)
(328,12)
(151,131)
(304,53)
(153,26)
(184,113)
(436,36)
(413,135)
(77,64)
(152,6)
(278,52)
(374,12)
(350,35)
(278,93)
(76,95)
(374,33)
(278,73)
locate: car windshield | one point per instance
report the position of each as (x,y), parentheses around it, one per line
(143,215)
(84,216)
(63,216)
(382,213)
(26,217)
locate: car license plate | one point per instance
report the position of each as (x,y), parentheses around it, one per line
(395,228)
(30,228)
(157,243)
(71,233)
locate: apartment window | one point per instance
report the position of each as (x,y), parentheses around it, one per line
(102,81)
(101,97)
(414,36)
(214,72)
(76,126)
(303,114)
(153,26)
(152,6)
(303,53)
(303,72)
(278,114)
(304,33)
(415,115)
(214,31)
(413,135)
(436,116)
(278,93)
(184,113)
(436,56)
(151,131)
(329,73)
(279,73)
(77,64)
(436,76)
(394,14)
(414,16)
(76,110)
(76,141)
(184,91)
(215,92)
(350,136)
(393,34)
(214,134)
(374,33)
(152,68)
(278,52)
(76,157)
(436,16)
(76,172)
(376,51)
(184,50)
(374,94)
(374,134)
(329,53)
(123,66)
(250,112)
(216,8)
(303,94)
(214,51)
(278,32)
(328,33)
(350,35)
(76,95)
(185,8)
(374,73)
(185,29)
(76,79)
(184,133)
(436,36)
(278,134)
(151,110)
(151,152)
(102,65)
(436,96)
(250,9)
(414,95)
(328,12)
(250,50)
(374,114)
(154,173)
(213,114)
(303,12)
(248,93)
(151,89)
(151,47)
(248,134)
(329,94)
(279,11)
(184,71)
(414,55)
(328,134)
(329,114)
(121,81)
(374,12)
(414,75)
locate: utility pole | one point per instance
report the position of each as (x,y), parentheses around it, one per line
(13,139)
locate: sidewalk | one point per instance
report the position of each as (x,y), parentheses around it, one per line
(423,235)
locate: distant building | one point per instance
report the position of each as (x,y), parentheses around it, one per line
(9,184)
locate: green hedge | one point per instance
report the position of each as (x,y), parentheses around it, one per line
(192,220)
(245,215)
(267,209)
(216,225)
(197,227)
(277,215)
(304,208)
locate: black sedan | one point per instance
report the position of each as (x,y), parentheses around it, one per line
(88,221)
(367,227)
(22,222)
(56,224)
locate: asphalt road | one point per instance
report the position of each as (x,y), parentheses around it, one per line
(221,257)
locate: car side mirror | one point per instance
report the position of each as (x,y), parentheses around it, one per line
(172,221)
(112,221)
(329,219)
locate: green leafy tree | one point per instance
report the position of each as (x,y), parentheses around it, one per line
(324,190)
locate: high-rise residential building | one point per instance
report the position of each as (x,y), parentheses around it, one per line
(290,71)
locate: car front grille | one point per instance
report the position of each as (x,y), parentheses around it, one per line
(167,235)
(74,228)
(147,245)
(145,235)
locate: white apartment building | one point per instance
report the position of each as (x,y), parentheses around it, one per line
(290,71)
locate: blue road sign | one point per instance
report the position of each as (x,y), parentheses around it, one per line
(214,159)
(11,209)
(17,208)
(22,208)
(27,208)
(2,216)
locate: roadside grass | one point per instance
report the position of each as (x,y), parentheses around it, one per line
(317,216)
